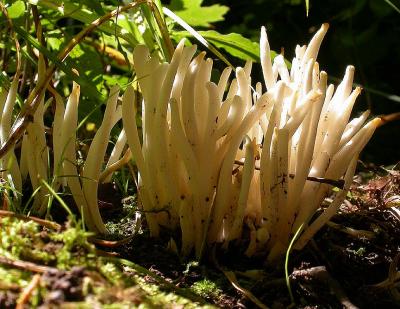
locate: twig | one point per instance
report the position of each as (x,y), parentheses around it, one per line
(27,292)
(337,183)
(110,243)
(27,266)
(112,53)
(389,118)
(352,232)
(107,254)
(232,279)
(230,275)
(321,274)
(49,224)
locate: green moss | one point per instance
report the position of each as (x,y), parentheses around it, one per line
(14,276)
(206,289)
(157,298)
(107,284)
(75,249)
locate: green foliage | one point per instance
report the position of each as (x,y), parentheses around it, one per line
(16,237)
(16,10)
(23,240)
(77,10)
(197,15)
(234,44)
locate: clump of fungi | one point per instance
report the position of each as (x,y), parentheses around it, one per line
(213,157)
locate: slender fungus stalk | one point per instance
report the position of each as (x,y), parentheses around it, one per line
(68,158)
(57,138)
(92,168)
(9,162)
(115,154)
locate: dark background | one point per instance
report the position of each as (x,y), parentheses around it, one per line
(365,33)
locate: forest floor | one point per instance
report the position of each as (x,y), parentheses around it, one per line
(352,262)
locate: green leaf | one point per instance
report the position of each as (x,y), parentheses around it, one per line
(83,80)
(195,34)
(69,9)
(203,16)
(17,9)
(233,43)
(195,14)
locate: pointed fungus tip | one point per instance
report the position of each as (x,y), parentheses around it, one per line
(325,26)
(377,122)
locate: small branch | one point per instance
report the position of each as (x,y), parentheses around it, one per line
(230,275)
(389,118)
(27,292)
(351,232)
(232,279)
(163,29)
(49,224)
(27,266)
(337,183)
(321,274)
(110,243)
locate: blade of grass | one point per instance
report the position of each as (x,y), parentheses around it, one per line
(162,26)
(394,7)
(30,199)
(196,35)
(59,199)
(296,235)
